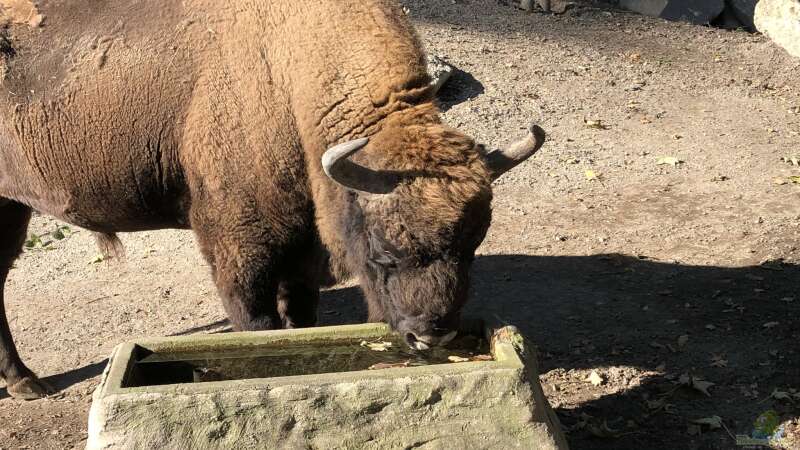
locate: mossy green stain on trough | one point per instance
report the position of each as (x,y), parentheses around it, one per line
(294,358)
(126,355)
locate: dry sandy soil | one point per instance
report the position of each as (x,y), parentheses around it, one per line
(640,271)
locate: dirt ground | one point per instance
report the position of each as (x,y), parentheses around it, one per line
(655,239)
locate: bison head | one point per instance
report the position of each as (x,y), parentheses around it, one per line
(418,206)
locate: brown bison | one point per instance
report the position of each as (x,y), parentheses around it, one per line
(133,115)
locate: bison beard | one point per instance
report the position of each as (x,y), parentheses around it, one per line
(226,120)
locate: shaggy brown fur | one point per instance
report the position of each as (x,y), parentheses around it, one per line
(119,116)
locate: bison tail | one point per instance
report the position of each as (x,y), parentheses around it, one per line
(110,246)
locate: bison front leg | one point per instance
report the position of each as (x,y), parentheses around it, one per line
(298,291)
(20,381)
(243,261)
(297,303)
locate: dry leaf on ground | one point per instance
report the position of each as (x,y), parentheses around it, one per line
(602,430)
(669,160)
(713,422)
(595,378)
(718,361)
(454,358)
(696,383)
(781,395)
(595,123)
(591,175)
(377,346)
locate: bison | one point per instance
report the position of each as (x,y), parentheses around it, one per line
(293,137)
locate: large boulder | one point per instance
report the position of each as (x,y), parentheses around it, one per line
(700,12)
(780,20)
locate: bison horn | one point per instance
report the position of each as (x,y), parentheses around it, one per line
(501,161)
(340,169)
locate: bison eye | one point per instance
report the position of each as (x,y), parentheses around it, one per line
(382,252)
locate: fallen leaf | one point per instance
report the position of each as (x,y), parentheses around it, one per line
(377,346)
(781,395)
(595,378)
(713,422)
(696,383)
(483,358)
(771,324)
(656,405)
(380,366)
(718,361)
(780,181)
(596,123)
(669,160)
(457,359)
(702,385)
(795,179)
(683,340)
(602,431)
(793,160)
(591,175)
(97,259)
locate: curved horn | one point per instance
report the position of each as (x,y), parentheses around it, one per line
(340,169)
(501,161)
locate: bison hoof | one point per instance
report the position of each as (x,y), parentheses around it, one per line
(29,388)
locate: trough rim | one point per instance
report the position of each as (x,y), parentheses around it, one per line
(123,357)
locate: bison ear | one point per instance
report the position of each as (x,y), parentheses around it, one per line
(382,252)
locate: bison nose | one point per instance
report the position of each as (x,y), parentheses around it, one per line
(425,342)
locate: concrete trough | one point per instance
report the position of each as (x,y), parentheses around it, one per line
(163,393)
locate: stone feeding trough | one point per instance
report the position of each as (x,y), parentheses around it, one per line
(353,386)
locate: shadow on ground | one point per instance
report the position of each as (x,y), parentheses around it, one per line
(460,87)
(595,312)
(602,311)
(64,380)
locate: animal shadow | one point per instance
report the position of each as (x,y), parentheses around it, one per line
(461,86)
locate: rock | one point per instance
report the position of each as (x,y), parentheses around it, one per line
(780,20)
(744,10)
(470,405)
(651,8)
(700,12)
(439,70)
